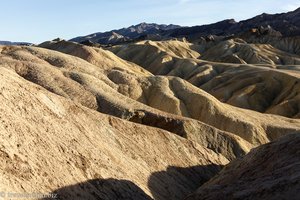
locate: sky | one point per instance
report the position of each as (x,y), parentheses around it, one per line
(40,20)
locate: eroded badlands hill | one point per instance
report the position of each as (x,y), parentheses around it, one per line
(93,87)
(262,86)
(179,97)
(169,136)
(173,118)
(268,172)
(52,144)
(241,52)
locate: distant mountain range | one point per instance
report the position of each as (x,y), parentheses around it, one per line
(127,34)
(288,24)
(285,24)
(14,43)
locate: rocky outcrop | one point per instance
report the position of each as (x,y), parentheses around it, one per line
(267,172)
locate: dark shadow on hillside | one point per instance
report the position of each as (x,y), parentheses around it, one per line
(101,189)
(176,183)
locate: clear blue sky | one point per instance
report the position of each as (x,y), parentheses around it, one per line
(39,20)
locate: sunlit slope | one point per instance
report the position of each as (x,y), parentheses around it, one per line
(52,144)
(266,88)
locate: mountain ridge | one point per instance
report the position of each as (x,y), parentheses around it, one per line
(288,24)
(15,43)
(126,34)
